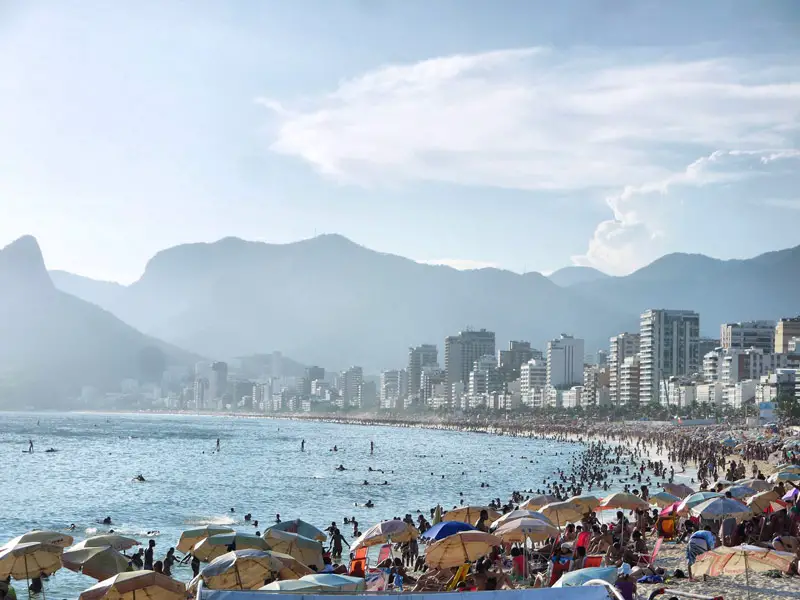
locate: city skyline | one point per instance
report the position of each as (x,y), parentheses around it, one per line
(620,133)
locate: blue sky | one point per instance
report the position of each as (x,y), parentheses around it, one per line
(521,134)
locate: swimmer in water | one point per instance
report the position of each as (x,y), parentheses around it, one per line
(217,444)
(303,446)
(139,478)
(107,521)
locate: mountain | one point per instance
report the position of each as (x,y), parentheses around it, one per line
(103,293)
(331,302)
(569,276)
(52,343)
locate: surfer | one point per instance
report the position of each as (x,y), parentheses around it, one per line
(303,446)
(30,446)
(371,447)
(217,444)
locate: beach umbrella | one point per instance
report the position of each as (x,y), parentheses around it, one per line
(437,515)
(697,498)
(339,583)
(99,562)
(681,490)
(783,476)
(445,529)
(730,442)
(296,585)
(718,509)
(766,502)
(300,527)
(29,560)
(217,545)
(581,576)
(133,585)
(759,485)
(306,550)
(537,502)
(520,514)
(739,491)
(117,542)
(662,499)
(668,511)
(51,538)
(394,531)
(190,537)
(791,495)
(741,559)
(585,503)
(622,501)
(470,514)
(248,569)
(787,468)
(460,548)
(561,513)
(520,530)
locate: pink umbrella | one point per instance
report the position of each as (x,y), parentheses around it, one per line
(667,510)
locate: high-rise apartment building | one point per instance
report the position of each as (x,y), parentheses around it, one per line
(484,377)
(420,357)
(390,389)
(518,353)
(628,382)
(669,347)
(785,330)
(622,346)
(565,362)
(533,377)
(217,383)
(460,353)
(748,334)
(350,385)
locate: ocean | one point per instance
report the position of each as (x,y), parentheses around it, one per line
(259,469)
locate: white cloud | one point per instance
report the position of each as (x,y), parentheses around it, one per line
(462,264)
(535,119)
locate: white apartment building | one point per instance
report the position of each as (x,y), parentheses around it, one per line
(629,378)
(680,392)
(748,334)
(390,389)
(709,393)
(484,377)
(669,347)
(621,347)
(596,385)
(533,376)
(711,365)
(460,353)
(741,393)
(350,386)
(573,397)
(565,362)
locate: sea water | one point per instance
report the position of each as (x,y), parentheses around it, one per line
(259,469)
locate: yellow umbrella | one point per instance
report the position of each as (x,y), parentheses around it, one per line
(622,501)
(217,545)
(537,502)
(249,569)
(52,538)
(306,550)
(141,585)
(742,559)
(29,560)
(470,514)
(460,548)
(191,537)
(98,562)
(395,531)
(585,504)
(520,514)
(520,530)
(117,542)
(561,513)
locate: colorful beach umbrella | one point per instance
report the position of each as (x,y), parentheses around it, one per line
(744,559)
(662,499)
(52,538)
(99,563)
(520,530)
(460,548)
(300,527)
(446,529)
(697,498)
(537,502)
(117,542)
(717,509)
(763,502)
(622,501)
(191,537)
(394,531)
(520,514)
(306,550)
(217,545)
(136,585)
(470,514)
(672,509)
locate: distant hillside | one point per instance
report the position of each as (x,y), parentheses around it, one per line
(52,343)
(331,302)
(102,293)
(569,276)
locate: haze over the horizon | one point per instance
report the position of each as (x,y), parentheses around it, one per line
(528,137)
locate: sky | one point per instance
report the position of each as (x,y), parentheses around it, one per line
(522,134)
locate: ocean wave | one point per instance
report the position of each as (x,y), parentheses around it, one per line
(201,521)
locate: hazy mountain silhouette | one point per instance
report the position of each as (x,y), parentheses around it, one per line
(569,276)
(52,343)
(329,301)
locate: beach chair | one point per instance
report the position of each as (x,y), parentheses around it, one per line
(384,553)
(593,560)
(460,576)
(358,564)
(649,560)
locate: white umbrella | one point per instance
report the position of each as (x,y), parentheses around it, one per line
(718,509)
